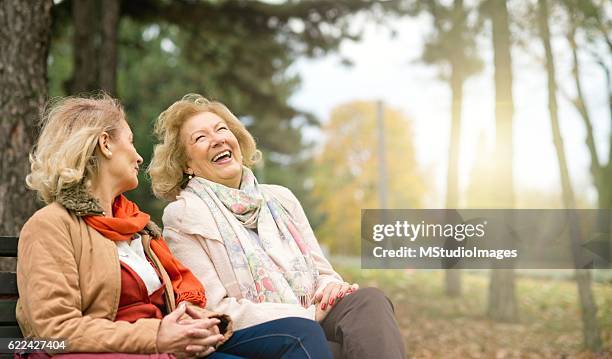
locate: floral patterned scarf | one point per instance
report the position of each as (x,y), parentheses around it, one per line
(271,261)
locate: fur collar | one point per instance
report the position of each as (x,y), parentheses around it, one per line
(78,200)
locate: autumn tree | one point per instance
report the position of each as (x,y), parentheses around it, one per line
(346,179)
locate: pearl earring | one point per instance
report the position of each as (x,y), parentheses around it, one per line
(190,176)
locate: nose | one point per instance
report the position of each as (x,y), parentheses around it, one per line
(139,160)
(217,139)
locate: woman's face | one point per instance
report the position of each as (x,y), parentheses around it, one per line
(124,162)
(213,152)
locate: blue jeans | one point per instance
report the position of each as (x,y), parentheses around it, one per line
(286,338)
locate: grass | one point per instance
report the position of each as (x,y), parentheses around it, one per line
(436,326)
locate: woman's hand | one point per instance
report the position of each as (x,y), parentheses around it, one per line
(320,314)
(333,291)
(187,337)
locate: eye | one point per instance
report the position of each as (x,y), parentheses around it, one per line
(199,138)
(222,128)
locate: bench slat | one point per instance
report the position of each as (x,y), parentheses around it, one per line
(7,311)
(8,283)
(8,288)
(8,246)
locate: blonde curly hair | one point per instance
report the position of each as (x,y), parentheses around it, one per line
(167,168)
(64,154)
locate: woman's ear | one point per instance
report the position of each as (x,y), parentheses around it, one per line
(104,143)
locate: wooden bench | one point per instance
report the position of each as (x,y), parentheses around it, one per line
(8,291)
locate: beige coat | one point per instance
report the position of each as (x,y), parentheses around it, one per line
(193,237)
(69,281)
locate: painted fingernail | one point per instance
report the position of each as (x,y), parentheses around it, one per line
(323,306)
(341,294)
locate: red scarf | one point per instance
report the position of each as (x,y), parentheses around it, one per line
(129,220)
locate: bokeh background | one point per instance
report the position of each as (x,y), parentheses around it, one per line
(363,104)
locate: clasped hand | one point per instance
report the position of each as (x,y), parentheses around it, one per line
(332,293)
(187,334)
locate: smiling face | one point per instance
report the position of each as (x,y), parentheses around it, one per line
(125,161)
(213,152)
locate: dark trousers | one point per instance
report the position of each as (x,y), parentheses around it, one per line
(362,325)
(287,338)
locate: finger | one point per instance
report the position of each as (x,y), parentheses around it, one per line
(199,333)
(343,290)
(177,313)
(354,287)
(194,312)
(326,301)
(201,323)
(333,294)
(208,323)
(319,296)
(208,341)
(325,297)
(196,349)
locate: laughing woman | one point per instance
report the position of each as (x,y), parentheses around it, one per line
(251,244)
(95,271)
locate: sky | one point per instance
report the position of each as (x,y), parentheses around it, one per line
(387,68)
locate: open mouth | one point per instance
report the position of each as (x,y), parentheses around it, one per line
(222,157)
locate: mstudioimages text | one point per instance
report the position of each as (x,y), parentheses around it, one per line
(413,231)
(441,252)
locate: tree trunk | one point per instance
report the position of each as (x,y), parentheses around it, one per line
(453,276)
(452,191)
(579,102)
(108,48)
(85,74)
(605,192)
(24,40)
(592,337)
(502,297)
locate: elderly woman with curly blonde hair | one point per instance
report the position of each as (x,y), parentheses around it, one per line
(95,271)
(251,244)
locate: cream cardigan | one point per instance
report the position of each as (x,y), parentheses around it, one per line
(194,238)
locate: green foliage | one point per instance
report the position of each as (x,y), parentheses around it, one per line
(155,70)
(237,52)
(452,43)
